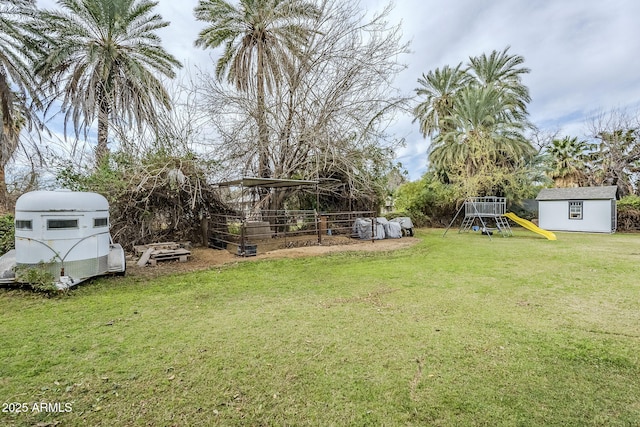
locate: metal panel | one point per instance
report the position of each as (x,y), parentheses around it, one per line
(78,270)
(265,182)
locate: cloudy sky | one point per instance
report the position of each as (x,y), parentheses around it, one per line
(584,55)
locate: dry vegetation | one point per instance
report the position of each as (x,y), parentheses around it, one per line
(206,258)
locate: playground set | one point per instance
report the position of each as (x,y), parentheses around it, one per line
(480,213)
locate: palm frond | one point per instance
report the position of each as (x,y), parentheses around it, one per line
(105,61)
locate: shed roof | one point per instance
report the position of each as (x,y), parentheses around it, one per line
(265,182)
(578,193)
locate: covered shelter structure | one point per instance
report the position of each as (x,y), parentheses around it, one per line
(256,226)
(272,185)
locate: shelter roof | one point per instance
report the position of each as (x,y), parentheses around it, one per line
(578,193)
(265,182)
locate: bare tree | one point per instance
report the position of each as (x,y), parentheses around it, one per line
(616,158)
(261,40)
(328,118)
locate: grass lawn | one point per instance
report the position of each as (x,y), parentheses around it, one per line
(455,331)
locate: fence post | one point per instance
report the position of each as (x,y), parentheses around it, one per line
(204,228)
(243,226)
(285,225)
(373,229)
(317,223)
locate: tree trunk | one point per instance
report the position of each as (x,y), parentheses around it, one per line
(9,135)
(264,170)
(4,195)
(102,149)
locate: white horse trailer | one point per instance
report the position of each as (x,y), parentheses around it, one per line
(67,234)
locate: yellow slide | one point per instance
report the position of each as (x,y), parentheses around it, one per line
(530,226)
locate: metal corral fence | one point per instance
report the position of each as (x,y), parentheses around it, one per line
(245,234)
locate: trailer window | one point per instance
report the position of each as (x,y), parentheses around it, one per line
(61,224)
(100,222)
(575,210)
(24,224)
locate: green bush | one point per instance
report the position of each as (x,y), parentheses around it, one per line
(417,218)
(38,277)
(7,234)
(629,213)
(428,202)
(629,202)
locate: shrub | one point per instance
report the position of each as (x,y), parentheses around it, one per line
(417,218)
(427,202)
(37,277)
(7,234)
(629,213)
(629,202)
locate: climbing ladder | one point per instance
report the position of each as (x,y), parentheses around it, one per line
(467,223)
(502,224)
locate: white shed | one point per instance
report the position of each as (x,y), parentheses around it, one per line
(68,233)
(586,209)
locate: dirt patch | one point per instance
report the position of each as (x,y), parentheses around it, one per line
(204,258)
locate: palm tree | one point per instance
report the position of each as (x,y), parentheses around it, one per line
(104,60)
(568,161)
(504,72)
(261,39)
(439,89)
(478,115)
(482,140)
(12,124)
(19,92)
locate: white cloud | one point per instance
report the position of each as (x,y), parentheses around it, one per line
(583,54)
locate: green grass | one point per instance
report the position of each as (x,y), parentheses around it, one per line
(458,330)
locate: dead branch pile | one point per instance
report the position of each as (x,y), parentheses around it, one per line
(166,201)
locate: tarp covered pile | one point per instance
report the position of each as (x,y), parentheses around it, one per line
(383,228)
